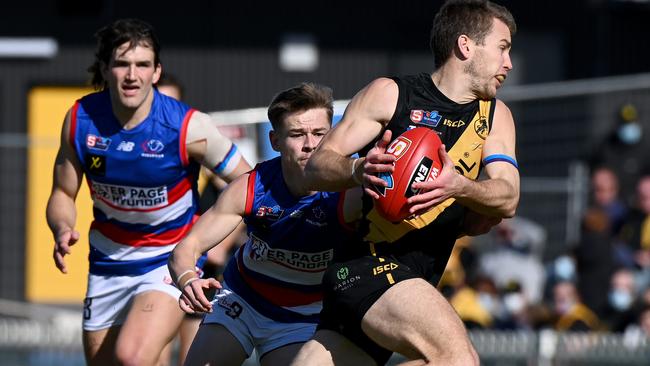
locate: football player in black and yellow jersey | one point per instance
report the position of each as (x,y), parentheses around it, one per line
(385,300)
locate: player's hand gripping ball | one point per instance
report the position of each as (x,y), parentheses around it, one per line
(417,160)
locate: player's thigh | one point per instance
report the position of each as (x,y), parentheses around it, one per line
(213,345)
(414,319)
(189,328)
(330,348)
(99,346)
(152,322)
(281,356)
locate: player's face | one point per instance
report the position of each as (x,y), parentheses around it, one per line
(491,62)
(131,74)
(299,135)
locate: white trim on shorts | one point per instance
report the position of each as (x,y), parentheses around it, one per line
(252,329)
(108,298)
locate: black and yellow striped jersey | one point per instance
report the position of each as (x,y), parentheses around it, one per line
(463,129)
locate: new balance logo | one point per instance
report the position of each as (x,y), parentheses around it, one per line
(125,146)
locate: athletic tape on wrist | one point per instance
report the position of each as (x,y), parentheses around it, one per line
(354,176)
(180,278)
(189,281)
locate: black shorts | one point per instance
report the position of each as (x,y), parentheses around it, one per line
(351,288)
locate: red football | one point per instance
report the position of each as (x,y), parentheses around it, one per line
(418,160)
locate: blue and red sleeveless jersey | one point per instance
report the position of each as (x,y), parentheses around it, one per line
(143,187)
(291,242)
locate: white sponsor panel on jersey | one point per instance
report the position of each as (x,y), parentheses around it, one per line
(131,197)
(286,265)
(152,217)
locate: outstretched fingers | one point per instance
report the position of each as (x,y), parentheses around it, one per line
(193,299)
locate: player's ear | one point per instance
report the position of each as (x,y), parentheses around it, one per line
(463,44)
(273,138)
(156,73)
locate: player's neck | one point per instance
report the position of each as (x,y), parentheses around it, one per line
(130,118)
(294,179)
(453,83)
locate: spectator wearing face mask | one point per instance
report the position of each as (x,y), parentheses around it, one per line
(571,314)
(519,311)
(478,304)
(621,299)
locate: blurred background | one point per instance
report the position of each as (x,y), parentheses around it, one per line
(579,94)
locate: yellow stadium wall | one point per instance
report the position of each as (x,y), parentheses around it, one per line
(44,283)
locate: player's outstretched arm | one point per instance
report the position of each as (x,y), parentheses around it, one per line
(206,145)
(330,168)
(211,228)
(497,196)
(61,212)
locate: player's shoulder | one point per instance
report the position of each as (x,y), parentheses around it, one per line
(200,117)
(201,124)
(383,83)
(501,110)
(382,91)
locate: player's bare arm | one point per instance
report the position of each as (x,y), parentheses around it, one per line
(497,196)
(330,168)
(206,145)
(211,228)
(61,212)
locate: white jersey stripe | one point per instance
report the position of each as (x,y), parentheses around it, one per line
(120,252)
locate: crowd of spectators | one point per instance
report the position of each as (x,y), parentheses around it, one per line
(601,283)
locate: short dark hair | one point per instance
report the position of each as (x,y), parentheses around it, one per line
(470,17)
(134,31)
(298,98)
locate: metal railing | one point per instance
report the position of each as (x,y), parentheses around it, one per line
(58,341)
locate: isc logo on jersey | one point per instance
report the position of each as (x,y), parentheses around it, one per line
(423,171)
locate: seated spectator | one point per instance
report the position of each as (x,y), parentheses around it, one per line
(518,311)
(479,305)
(571,314)
(621,298)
